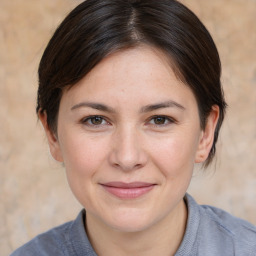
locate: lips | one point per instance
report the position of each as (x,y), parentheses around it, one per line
(131,190)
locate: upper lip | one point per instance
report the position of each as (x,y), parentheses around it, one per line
(120,184)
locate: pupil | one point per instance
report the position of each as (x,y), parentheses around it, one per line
(159,120)
(96,120)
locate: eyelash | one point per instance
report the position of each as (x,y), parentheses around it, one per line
(166,118)
(88,121)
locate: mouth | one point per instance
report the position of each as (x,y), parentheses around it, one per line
(131,190)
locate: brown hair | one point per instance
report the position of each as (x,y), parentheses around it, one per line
(97,28)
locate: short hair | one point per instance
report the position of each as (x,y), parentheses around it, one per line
(97,28)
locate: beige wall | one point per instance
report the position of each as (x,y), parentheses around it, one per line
(33,191)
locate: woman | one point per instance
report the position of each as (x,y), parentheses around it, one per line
(130,99)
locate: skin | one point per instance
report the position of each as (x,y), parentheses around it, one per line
(126,142)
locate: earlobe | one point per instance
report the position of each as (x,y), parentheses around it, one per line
(207,135)
(51,137)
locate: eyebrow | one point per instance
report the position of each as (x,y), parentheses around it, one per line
(166,104)
(147,108)
(97,106)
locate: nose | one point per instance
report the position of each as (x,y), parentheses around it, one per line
(128,152)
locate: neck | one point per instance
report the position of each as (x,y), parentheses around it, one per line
(162,238)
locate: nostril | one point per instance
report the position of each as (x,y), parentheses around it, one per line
(127,154)
(125,166)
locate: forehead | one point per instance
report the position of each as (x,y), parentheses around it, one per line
(142,73)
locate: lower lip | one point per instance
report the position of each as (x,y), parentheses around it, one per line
(128,193)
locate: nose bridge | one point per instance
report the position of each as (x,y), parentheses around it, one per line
(128,152)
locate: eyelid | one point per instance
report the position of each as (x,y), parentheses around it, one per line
(170,120)
(85,120)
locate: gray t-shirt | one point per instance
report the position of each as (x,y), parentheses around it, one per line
(209,232)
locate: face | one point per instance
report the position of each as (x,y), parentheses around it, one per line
(129,135)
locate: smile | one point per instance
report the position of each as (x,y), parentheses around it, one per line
(128,190)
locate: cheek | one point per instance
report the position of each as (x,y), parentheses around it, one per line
(82,157)
(175,156)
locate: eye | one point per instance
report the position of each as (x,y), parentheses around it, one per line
(94,121)
(161,120)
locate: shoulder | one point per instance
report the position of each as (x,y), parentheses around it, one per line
(67,239)
(48,243)
(223,232)
(60,240)
(235,227)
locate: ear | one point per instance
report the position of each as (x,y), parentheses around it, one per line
(207,135)
(51,137)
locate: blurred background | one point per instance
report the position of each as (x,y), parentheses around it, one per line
(34,195)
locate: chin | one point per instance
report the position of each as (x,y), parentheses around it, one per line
(130,222)
(131,227)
